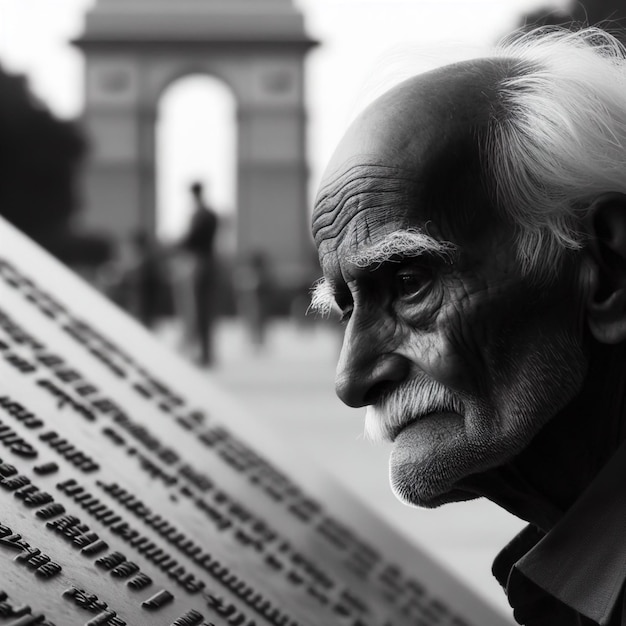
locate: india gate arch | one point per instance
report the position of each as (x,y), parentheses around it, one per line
(135,49)
(196,137)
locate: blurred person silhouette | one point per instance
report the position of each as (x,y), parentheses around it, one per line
(146,278)
(136,279)
(197,290)
(253,285)
(110,275)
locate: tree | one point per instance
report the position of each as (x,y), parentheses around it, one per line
(608,14)
(40,157)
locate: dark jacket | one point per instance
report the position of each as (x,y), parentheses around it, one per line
(573,575)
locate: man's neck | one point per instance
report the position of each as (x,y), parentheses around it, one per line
(542,482)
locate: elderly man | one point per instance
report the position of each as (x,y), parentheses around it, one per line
(471,228)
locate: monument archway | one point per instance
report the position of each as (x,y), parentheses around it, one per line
(134,49)
(196,140)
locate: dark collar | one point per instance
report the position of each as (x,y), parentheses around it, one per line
(579,567)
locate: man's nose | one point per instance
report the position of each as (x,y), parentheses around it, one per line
(366,369)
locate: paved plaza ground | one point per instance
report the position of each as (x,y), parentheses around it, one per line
(289,385)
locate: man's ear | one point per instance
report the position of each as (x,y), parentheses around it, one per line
(606,306)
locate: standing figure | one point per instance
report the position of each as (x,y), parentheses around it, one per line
(253,284)
(146,280)
(200,292)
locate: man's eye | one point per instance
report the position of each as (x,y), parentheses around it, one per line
(411,282)
(343,306)
(345,313)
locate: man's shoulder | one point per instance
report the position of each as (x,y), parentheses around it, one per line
(576,572)
(517,548)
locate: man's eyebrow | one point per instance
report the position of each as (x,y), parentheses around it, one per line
(322,298)
(398,245)
(402,244)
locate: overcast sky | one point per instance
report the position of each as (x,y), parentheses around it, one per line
(362,40)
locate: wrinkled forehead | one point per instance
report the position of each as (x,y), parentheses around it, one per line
(411,159)
(362,204)
(370,197)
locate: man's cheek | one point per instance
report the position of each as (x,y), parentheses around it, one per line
(440,357)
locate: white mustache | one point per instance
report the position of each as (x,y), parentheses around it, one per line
(406,403)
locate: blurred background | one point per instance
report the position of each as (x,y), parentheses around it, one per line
(169,152)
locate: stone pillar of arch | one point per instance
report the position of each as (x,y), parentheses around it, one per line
(135,48)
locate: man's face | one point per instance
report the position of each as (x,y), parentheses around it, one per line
(458,356)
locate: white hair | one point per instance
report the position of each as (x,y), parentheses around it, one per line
(557,136)
(322,298)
